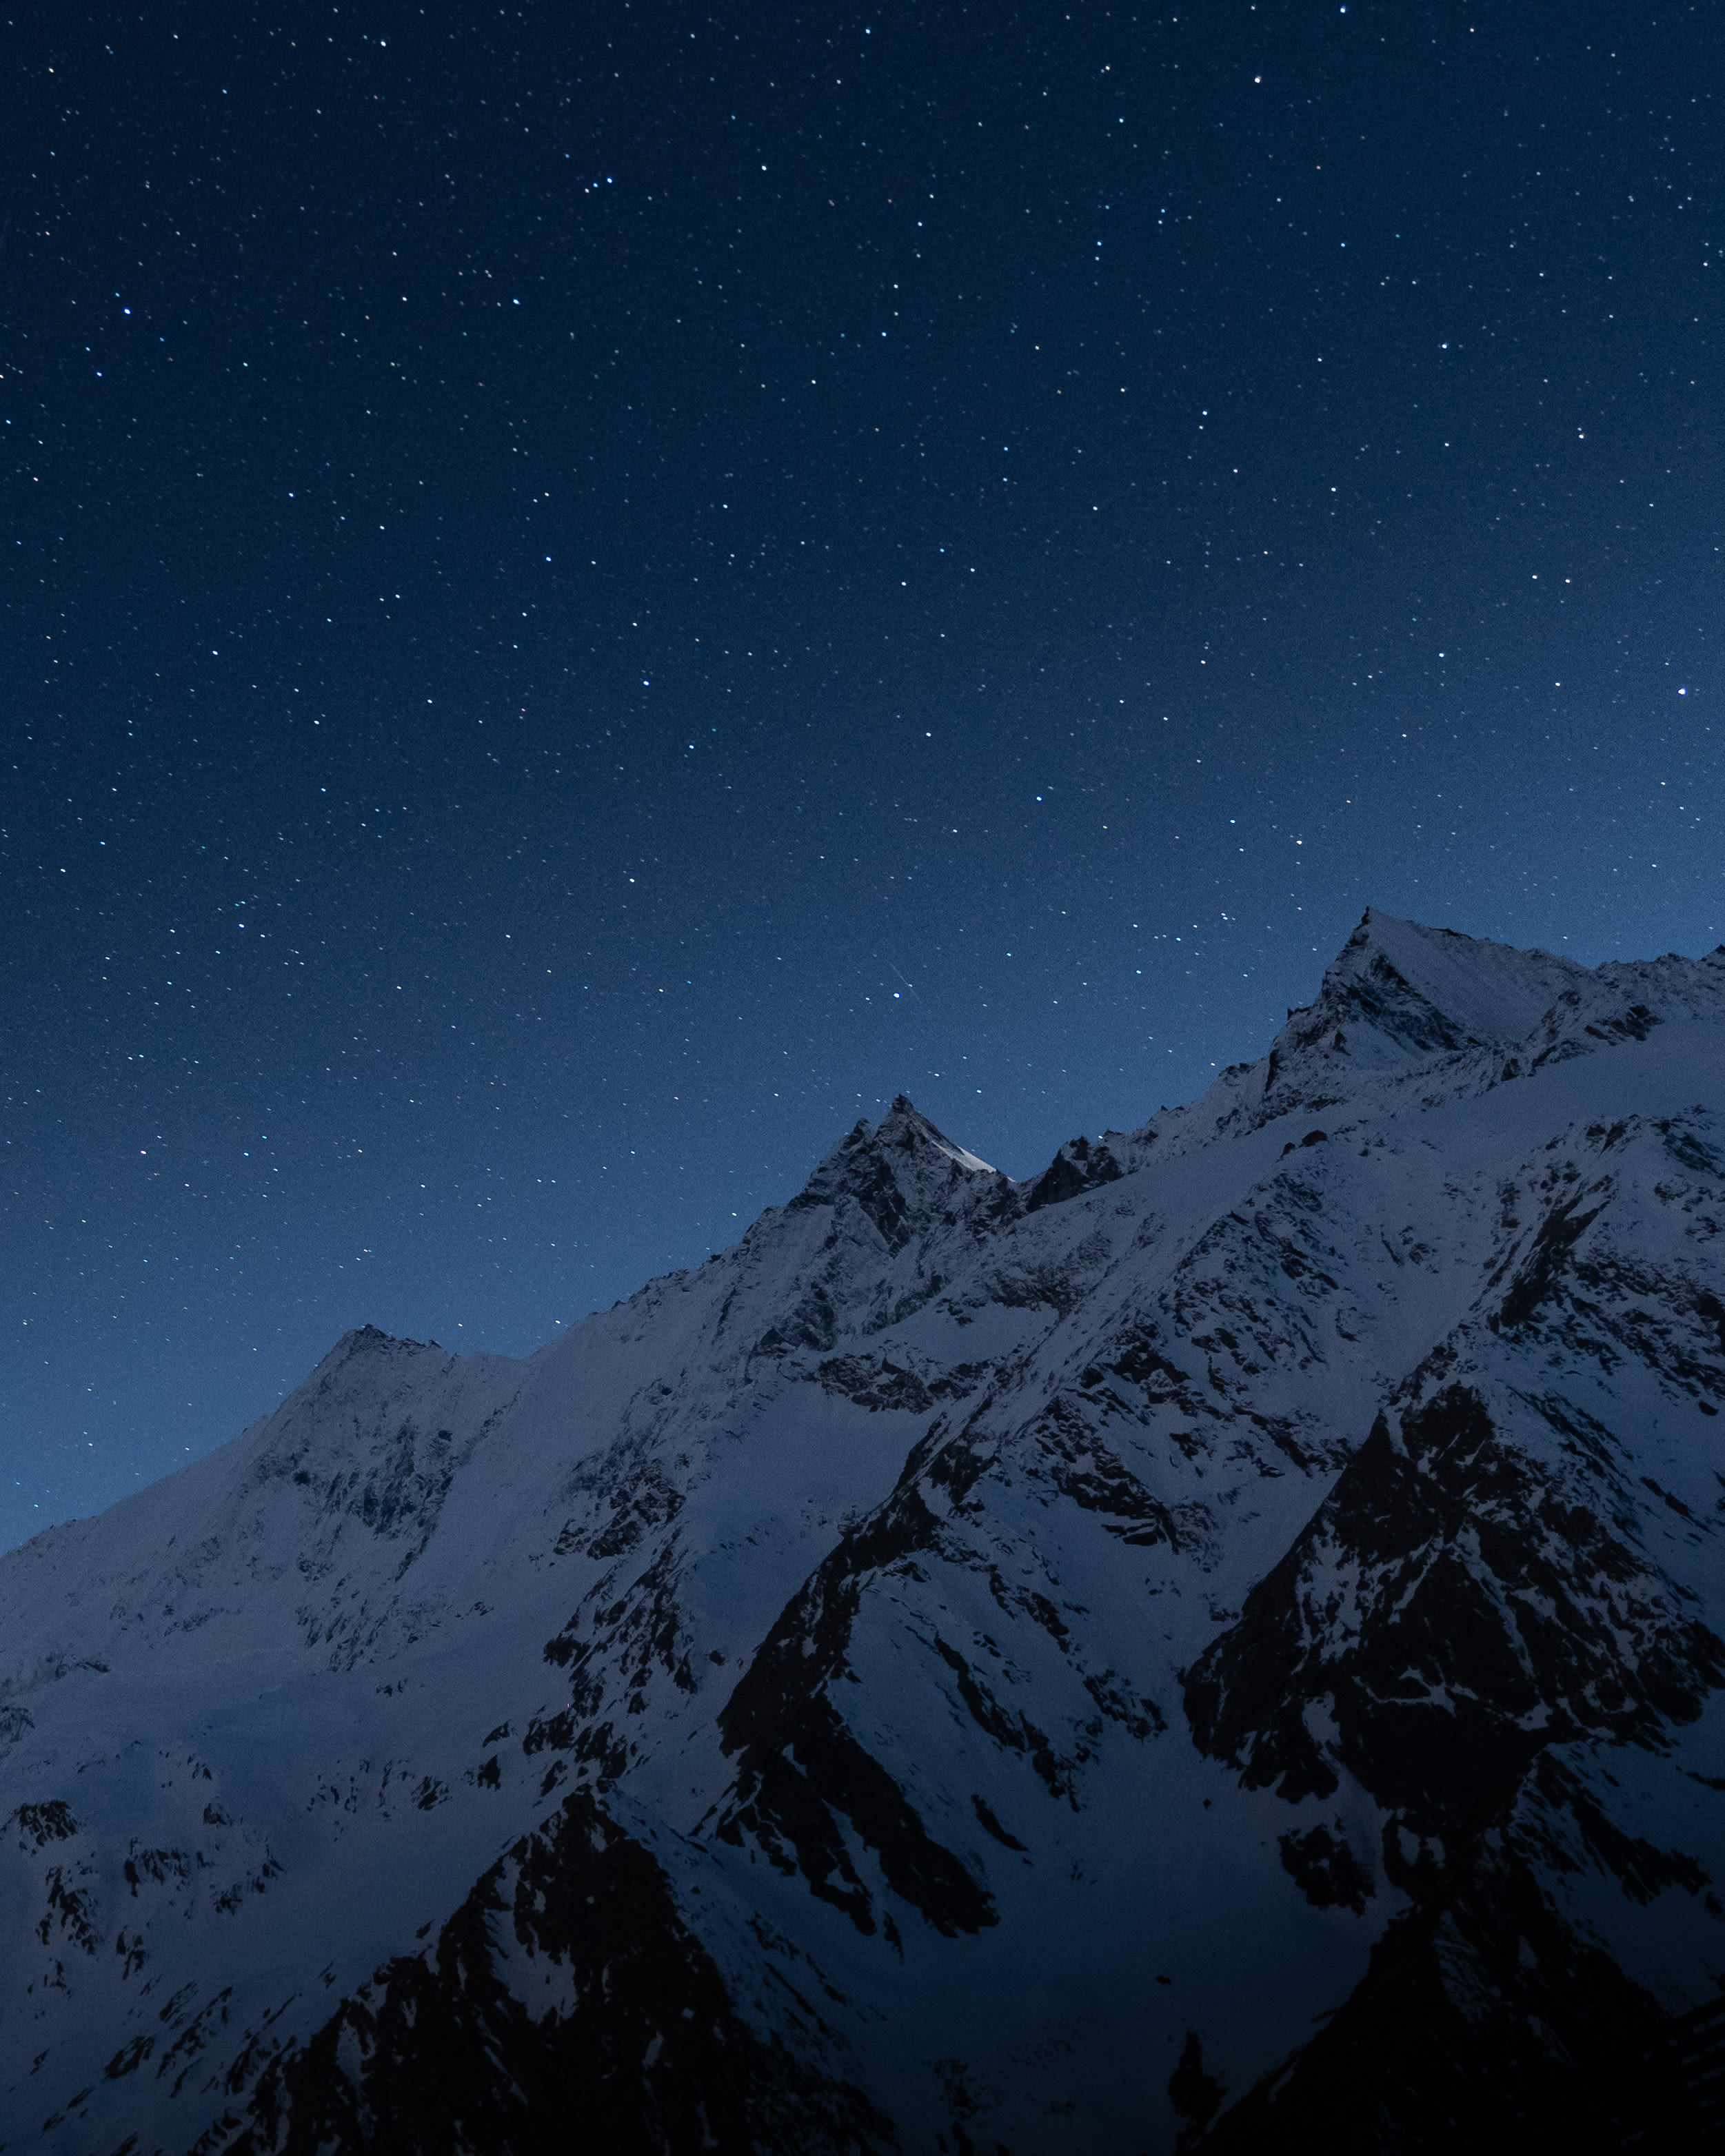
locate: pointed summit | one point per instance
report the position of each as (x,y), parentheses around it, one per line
(903,1171)
(1398,991)
(906,1128)
(1400,1000)
(363,1341)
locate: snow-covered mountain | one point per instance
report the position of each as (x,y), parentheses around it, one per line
(1223,1638)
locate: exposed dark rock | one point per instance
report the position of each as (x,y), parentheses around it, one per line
(1494,1617)
(1078,1166)
(1195,2094)
(1537,1277)
(1326,1871)
(991,1824)
(812,1323)
(876,1382)
(565,2007)
(799,1767)
(51,1821)
(1086,1469)
(1491,1620)
(1485,2022)
(629,1494)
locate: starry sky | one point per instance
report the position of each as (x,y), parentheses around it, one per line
(589,593)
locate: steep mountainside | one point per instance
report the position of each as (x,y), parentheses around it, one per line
(1224,1639)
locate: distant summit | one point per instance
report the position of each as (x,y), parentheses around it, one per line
(1404,1005)
(1422,990)
(902,1172)
(1220,1642)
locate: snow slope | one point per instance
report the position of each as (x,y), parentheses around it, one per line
(1229,1628)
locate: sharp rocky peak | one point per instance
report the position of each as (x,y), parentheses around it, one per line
(1399,995)
(369,1345)
(903,1171)
(1400,1000)
(1398,991)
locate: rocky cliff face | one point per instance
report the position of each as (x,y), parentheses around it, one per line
(1224,1639)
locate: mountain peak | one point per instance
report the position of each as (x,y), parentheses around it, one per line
(903,1171)
(905,1127)
(1344,1492)
(1397,992)
(372,1340)
(1426,988)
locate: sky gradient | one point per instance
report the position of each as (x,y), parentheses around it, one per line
(590,593)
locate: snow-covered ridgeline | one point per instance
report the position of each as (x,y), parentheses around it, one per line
(1004,1646)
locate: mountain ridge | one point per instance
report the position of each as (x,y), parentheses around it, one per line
(1019,1649)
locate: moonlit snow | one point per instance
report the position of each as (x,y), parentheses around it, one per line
(969,1658)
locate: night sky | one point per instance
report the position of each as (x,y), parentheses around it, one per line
(590,592)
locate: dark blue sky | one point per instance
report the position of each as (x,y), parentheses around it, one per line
(589,593)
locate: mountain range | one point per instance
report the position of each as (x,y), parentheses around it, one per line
(1222,1641)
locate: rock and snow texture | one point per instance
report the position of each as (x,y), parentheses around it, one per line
(1225,1636)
